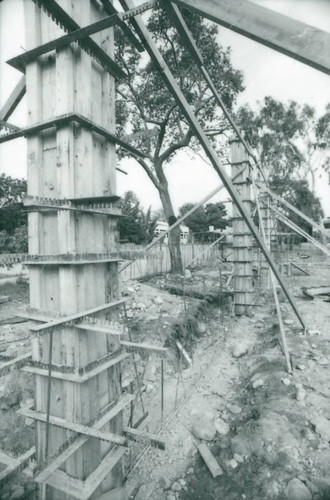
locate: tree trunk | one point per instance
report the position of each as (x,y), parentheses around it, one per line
(174,235)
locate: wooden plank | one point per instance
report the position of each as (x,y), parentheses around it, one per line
(209,459)
(15,464)
(62,120)
(97,476)
(73,317)
(135,347)
(61,481)
(74,426)
(71,263)
(35,317)
(76,377)
(146,437)
(22,359)
(81,440)
(288,36)
(98,329)
(13,100)
(299,268)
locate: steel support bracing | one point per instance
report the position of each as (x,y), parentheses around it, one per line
(293,38)
(168,78)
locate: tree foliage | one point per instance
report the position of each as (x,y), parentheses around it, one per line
(13,219)
(297,192)
(12,192)
(290,140)
(212,214)
(136,226)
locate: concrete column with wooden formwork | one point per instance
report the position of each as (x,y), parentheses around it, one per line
(72,162)
(242,238)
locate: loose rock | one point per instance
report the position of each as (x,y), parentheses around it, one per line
(204,429)
(301,394)
(271,489)
(221,426)
(176,486)
(238,350)
(322,427)
(257,383)
(238,458)
(296,490)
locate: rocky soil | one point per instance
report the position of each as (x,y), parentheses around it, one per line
(268,430)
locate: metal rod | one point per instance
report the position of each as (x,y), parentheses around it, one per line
(49,384)
(162,389)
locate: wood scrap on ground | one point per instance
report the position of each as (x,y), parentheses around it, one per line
(209,459)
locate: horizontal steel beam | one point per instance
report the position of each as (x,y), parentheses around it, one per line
(293,38)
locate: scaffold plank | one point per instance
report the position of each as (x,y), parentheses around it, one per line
(136,346)
(151,439)
(14,465)
(74,426)
(68,319)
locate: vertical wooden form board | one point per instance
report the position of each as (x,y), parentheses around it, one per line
(264,274)
(72,162)
(242,238)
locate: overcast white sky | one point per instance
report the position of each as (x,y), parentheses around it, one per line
(266,72)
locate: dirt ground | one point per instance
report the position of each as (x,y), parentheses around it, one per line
(268,430)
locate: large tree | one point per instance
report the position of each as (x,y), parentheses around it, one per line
(291,141)
(144,103)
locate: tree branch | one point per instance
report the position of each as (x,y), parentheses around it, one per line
(171,149)
(149,172)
